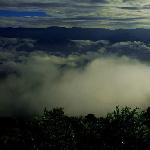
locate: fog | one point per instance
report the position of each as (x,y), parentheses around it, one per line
(95,87)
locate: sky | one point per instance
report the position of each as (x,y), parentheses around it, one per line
(13,13)
(112,14)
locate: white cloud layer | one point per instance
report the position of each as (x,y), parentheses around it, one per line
(43,81)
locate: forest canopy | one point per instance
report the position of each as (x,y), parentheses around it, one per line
(122,129)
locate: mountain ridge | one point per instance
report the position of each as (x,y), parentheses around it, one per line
(63,34)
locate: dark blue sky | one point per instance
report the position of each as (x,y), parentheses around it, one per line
(13,13)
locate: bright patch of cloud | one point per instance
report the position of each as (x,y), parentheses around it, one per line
(92,82)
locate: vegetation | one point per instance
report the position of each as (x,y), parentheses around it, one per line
(123,129)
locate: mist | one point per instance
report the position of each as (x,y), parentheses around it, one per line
(95,87)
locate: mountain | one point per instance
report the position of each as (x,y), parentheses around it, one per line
(61,34)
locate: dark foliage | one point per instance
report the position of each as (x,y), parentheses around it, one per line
(123,129)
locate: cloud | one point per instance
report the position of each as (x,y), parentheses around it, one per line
(15,49)
(93,77)
(43,80)
(81,13)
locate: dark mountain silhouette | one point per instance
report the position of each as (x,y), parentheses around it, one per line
(55,34)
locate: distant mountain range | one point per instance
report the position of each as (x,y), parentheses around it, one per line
(134,43)
(61,34)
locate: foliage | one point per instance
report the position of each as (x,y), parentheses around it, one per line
(123,129)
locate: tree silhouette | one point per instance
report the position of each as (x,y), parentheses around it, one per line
(123,129)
